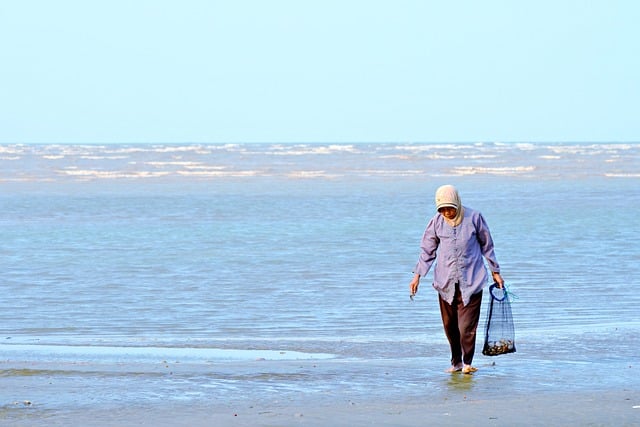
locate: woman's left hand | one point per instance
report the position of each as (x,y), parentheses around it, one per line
(498,279)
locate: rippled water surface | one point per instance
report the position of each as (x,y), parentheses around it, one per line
(305,249)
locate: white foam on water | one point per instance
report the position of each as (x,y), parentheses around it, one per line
(622,175)
(308,174)
(98,174)
(473,170)
(130,354)
(219,173)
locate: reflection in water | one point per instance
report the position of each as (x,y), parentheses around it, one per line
(460,382)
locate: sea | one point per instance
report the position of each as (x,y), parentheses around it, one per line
(150,273)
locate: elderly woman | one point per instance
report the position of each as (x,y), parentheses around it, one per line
(458,238)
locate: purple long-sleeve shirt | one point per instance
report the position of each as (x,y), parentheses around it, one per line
(459,251)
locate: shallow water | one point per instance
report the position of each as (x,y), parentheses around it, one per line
(130,270)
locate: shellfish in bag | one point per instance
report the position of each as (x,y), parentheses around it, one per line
(499,333)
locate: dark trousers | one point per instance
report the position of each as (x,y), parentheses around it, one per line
(460,323)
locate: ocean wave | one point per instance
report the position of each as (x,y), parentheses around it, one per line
(308,161)
(583,150)
(100,174)
(27,179)
(162,149)
(481,156)
(622,175)
(11,149)
(87,157)
(200,166)
(198,149)
(219,173)
(525,146)
(125,150)
(431,156)
(418,148)
(173,163)
(472,170)
(310,174)
(391,172)
(302,150)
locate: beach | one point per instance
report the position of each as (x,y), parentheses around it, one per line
(278,389)
(455,408)
(267,284)
(610,409)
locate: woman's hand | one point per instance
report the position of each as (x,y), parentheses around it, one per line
(498,279)
(413,286)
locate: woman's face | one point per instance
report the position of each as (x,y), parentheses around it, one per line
(448,212)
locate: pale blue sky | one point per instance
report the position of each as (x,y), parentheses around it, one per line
(319,71)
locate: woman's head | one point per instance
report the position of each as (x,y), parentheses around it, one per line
(449,205)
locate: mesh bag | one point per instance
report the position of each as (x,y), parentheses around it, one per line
(499,333)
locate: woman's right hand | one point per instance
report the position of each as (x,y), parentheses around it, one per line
(413,286)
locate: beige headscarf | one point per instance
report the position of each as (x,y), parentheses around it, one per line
(447,195)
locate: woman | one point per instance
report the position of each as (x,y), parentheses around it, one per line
(458,238)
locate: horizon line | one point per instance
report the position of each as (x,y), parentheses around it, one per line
(326,142)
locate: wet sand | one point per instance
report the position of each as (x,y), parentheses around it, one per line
(509,392)
(538,385)
(619,408)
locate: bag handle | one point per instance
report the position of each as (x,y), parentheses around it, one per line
(504,292)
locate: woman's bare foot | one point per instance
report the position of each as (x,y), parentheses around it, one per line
(468,369)
(454,368)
